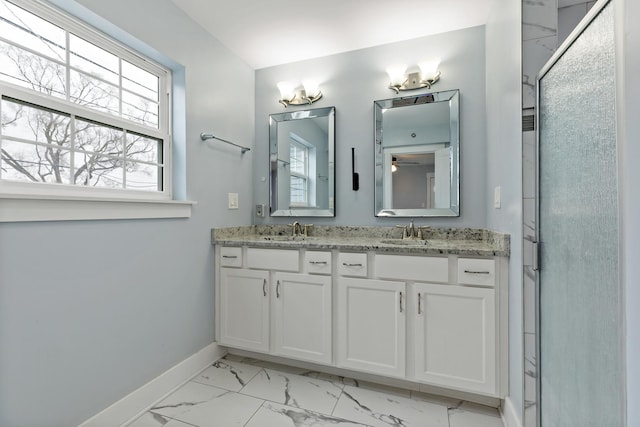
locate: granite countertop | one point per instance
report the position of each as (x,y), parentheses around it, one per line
(461,241)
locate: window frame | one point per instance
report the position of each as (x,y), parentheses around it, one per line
(297,142)
(15,193)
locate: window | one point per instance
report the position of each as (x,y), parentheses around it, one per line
(299,173)
(80,114)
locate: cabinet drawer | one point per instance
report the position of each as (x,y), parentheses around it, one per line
(272,259)
(230,256)
(420,268)
(317,262)
(352,264)
(472,271)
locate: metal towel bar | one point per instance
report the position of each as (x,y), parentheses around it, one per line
(205,136)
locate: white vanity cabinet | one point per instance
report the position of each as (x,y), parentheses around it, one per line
(455,336)
(302,315)
(372,325)
(265,307)
(441,310)
(244,308)
(435,320)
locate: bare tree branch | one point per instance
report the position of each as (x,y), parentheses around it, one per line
(15,164)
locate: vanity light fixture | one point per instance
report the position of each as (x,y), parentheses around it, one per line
(290,95)
(426,77)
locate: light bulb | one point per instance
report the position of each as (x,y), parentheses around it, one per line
(397,74)
(287,91)
(311,88)
(429,69)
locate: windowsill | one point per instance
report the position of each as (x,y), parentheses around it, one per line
(25,208)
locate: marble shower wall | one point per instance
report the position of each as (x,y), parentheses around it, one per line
(539,42)
(570,13)
(545,25)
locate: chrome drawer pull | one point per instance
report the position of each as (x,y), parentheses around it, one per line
(318,262)
(264,287)
(400,302)
(419,303)
(278,289)
(477,272)
(352,265)
(229,256)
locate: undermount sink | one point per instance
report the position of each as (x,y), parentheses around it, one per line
(404,242)
(287,238)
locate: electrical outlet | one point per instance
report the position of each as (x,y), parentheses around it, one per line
(496,197)
(233,200)
(260,211)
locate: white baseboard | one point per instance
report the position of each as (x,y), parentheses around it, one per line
(140,400)
(510,417)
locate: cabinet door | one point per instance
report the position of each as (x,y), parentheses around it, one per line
(372,326)
(455,337)
(303,316)
(244,308)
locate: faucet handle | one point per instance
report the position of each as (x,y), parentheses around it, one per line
(405,232)
(420,228)
(306,229)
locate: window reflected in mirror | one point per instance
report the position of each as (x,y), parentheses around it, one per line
(302,145)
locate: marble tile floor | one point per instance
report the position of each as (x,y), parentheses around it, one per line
(239,391)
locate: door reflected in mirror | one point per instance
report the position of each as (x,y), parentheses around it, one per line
(302,159)
(417,155)
(413,178)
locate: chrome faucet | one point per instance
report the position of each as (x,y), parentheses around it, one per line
(408,232)
(298,229)
(411,231)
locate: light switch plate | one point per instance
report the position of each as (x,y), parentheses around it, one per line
(233,200)
(496,197)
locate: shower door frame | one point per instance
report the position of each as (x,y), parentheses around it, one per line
(562,49)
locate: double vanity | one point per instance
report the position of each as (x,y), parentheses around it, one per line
(428,313)
(416,307)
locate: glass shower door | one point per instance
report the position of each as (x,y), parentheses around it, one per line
(580,350)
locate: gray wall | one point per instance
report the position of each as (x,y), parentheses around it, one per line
(504,166)
(90,311)
(351,82)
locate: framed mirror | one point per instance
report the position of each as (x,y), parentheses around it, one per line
(302,163)
(417,153)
